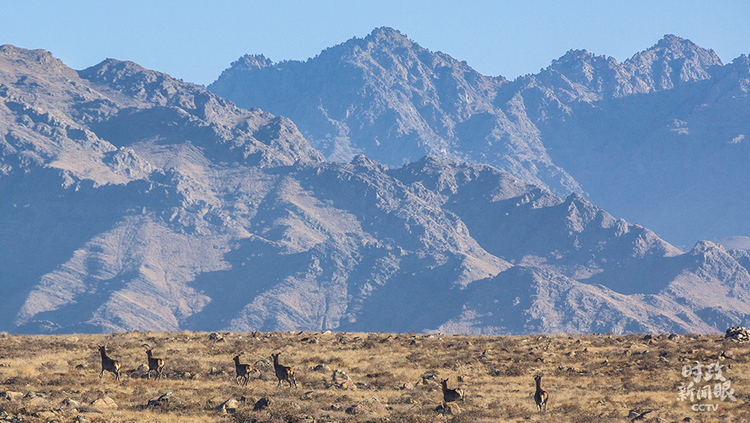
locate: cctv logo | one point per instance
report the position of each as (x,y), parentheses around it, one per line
(705,407)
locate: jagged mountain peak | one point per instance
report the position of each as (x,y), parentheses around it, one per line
(26,57)
(124,74)
(672,47)
(400,49)
(707,249)
(582,76)
(671,62)
(678,47)
(580,213)
(251,61)
(363,161)
(389,35)
(574,55)
(581,60)
(32,68)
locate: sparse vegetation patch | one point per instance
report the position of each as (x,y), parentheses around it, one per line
(353,377)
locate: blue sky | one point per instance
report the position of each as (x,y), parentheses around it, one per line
(196,40)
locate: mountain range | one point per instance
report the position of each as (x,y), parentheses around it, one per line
(659,139)
(132,200)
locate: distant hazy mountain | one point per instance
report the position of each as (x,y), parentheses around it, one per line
(131,200)
(659,139)
(394,101)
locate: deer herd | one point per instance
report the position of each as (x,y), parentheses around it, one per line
(286,374)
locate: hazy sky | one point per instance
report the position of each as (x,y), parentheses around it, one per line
(195,40)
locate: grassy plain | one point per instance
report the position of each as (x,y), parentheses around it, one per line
(393,377)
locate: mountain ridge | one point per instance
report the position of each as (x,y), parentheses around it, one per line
(638,138)
(137,201)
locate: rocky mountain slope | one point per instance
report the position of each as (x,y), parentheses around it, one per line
(131,200)
(658,139)
(389,98)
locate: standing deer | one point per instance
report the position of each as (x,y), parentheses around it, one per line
(283,372)
(109,364)
(242,370)
(451,395)
(154,365)
(540,396)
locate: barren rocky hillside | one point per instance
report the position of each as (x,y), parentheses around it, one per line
(131,200)
(659,139)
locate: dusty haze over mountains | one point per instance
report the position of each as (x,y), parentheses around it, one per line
(131,200)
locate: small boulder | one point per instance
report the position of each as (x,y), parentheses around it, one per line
(646,415)
(161,402)
(354,409)
(11,395)
(105,403)
(34,399)
(450,408)
(46,415)
(727,354)
(373,404)
(322,368)
(339,379)
(71,403)
(261,404)
(453,408)
(229,406)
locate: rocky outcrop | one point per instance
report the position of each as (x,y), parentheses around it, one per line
(738,333)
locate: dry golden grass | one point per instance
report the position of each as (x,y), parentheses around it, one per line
(590,378)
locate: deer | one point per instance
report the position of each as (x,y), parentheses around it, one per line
(242,370)
(109,364)
(283,372)
(451,395)
(154,365)
(540,396)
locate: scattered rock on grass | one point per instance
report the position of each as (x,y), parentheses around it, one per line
(161,402)
(261,404)
(11,395)
(354,409)
(228,406)
(450,408)
(322,368)
(105,403)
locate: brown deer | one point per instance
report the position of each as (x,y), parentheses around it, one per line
(242,371)
(109,364)
(154,365)
(540,396)
(283,372)
(451,395)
